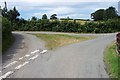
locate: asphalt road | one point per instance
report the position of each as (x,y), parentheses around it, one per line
(80,60)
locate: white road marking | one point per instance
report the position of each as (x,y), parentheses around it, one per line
(24,56)
(44,51)
(34,51)
(27,55)
(25,63)
(6,74)
(32,58)
(10,64)
(21,58)
(18,67)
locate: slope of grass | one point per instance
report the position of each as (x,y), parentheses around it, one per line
(111,60)
(57,40)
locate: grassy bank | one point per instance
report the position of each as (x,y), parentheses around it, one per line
(111,60)
(57,40)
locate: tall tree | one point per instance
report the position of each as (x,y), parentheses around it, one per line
(98,15)
(44,16)
(13,14)
(111,13)
(53,16)
(102,14)
(4,10)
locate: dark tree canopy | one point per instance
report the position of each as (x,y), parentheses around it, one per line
(13,14)
(102,14)
(98,15)
(111,13)
(53,16)
(34,18)
(44,16)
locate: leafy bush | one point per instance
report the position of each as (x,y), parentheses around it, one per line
(108,26)
(6,34)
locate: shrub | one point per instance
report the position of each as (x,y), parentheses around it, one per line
(6,34)
(108,26)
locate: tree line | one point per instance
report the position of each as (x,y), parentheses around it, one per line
(105,21)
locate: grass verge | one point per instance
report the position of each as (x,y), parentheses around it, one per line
(58,40)
(112,61)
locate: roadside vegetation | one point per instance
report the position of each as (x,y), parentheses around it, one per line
(104,21)
(112,61)
(9,18)
(57,40)
(7,38)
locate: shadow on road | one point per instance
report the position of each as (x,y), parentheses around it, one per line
(13,49)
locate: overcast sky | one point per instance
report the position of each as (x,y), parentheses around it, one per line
(63,8)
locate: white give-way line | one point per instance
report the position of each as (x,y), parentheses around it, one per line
(34,57)
(18,67)
(6,75)
(34,51)
(21,65)
(10,64)
(44,51)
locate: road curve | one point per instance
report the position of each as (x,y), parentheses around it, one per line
(80,60)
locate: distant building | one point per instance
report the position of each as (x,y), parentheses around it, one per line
(119,8)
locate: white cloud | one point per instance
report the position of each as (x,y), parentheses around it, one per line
(51,1)
(63,12)
(63,8)
(39,14)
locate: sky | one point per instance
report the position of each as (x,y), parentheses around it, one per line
(80,9)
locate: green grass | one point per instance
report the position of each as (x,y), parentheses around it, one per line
(57,40)
(111,59)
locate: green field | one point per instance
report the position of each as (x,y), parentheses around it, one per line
(82,22)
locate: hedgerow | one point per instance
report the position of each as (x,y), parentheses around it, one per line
(112,25)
